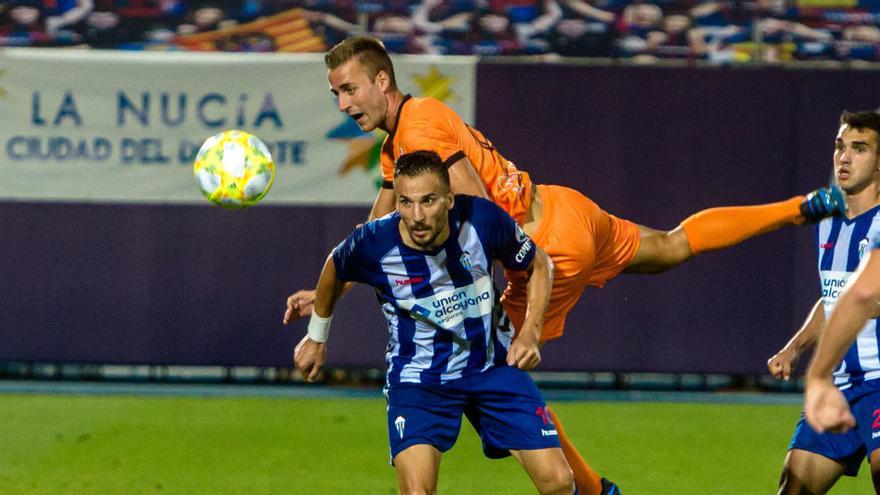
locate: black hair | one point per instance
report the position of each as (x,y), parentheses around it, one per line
(419,162)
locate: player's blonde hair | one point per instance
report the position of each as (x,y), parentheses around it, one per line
(370,52)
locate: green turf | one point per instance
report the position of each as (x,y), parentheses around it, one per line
(129,445)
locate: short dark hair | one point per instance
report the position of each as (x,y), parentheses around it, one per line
(419,162)
(861,121)
(369,51)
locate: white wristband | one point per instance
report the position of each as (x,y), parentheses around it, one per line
(319,327)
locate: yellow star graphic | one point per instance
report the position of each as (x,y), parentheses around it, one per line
(2,91)
(435,84)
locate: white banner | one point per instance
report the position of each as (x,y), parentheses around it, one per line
(78,125)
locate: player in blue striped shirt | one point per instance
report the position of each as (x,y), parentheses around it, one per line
(451,349)
(827,408)
(817,460)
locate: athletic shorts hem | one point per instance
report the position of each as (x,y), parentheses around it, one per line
(495,452)
(398,448)
(851,468)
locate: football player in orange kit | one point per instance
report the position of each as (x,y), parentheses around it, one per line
(588,246)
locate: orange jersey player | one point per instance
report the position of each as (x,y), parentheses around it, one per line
(578,237)
(588,246)
(427,123)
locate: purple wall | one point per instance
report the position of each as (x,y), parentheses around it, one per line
(200,285)
(170,284)
(655,145)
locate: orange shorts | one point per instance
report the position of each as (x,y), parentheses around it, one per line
(588,247)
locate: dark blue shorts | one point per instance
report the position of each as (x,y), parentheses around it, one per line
(503,404)
(848,448)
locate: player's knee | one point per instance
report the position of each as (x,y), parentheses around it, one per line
(785,482)
(415,483)
(659,251)
(791,484)
(675,247)
(556,481)
(874,459)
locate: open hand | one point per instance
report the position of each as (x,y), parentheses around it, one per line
(299,304)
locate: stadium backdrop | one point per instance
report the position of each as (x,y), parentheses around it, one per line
(110,255)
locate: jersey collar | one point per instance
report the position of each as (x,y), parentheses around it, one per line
(406,98)
(867,213)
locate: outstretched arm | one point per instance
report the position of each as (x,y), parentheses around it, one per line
(783,362)
(825,407)
(310,353)
(302,302)
(524,352)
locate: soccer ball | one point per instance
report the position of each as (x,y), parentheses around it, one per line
(234,169)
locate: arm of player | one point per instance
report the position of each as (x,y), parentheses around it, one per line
(825,407)
(783,362)
(525,351)
(464,179)
(302,302)
(311,351)
(383,205)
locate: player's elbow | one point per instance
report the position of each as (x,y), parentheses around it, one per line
(541,264)
(864,295)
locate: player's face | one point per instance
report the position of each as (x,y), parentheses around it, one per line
(423,203)
(856,162)
(358,95)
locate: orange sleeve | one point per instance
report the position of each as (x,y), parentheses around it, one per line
(430,125)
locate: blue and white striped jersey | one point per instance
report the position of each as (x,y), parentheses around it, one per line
(840,245)
(444,318)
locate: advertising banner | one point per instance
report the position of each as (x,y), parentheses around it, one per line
(124,127)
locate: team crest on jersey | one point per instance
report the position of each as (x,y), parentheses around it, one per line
(400,424)
(863,244)
(466,260)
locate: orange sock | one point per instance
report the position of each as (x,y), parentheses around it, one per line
(718,228)
(587,480)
